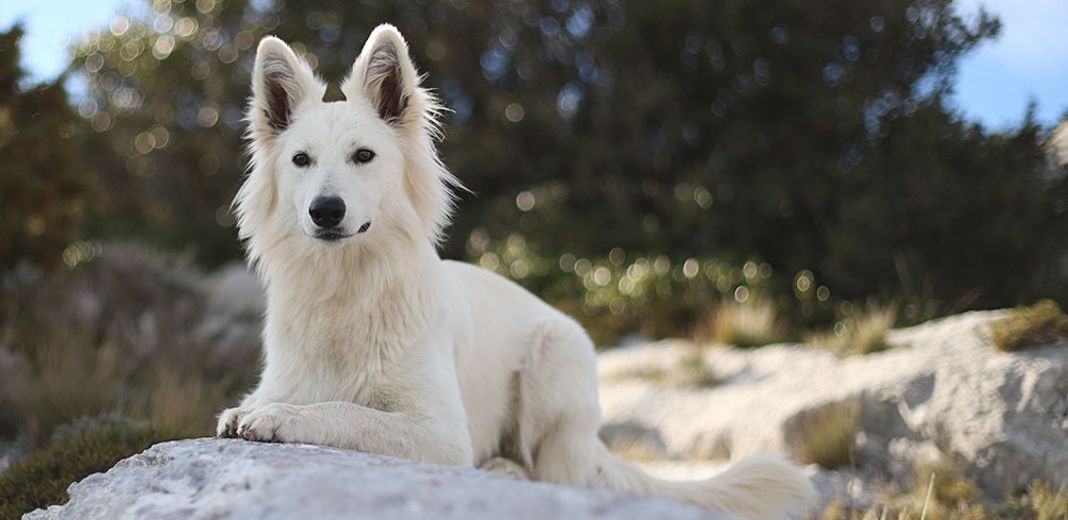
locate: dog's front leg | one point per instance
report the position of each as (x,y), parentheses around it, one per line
(351,426)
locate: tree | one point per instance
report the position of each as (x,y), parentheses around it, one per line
(43,194)
(813,135)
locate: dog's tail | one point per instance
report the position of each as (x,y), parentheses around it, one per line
(761,486)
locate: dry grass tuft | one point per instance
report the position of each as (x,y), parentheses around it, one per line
(943,484)
(859,334)
(745,325)
(1031,326)
(690,371)
(694,372)
(828,436)
(1042,503)
(127,333)
(941,492)
(63,384)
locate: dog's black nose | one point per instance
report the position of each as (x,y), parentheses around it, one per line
(327,212)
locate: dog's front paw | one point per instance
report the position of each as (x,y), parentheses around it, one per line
(274,422)
(228,421)
(507,467)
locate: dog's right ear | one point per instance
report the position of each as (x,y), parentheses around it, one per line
(281,81)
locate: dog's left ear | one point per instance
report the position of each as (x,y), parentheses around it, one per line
(384,74)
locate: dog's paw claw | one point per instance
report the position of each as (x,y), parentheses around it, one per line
(228,422)
(270,423)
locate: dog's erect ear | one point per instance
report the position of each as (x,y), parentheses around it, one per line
(384,74)
(281,81)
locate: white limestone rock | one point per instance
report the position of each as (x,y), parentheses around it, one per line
(217,478)
(944,391)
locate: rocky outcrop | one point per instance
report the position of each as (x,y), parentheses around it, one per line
(942,392)
(214,478)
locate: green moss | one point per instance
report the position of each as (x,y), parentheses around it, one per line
(1032,326)
(41,479)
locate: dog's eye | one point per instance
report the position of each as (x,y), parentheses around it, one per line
(362,155)
(301,159)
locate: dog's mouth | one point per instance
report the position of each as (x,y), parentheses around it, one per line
(331,236)
(335,235)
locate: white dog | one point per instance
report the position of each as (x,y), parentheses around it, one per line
(374,343)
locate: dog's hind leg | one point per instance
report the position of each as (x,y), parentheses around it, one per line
(559,416)
(558,410)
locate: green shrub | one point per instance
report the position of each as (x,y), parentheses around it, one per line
(1032,326)
(41,479)
(625,293)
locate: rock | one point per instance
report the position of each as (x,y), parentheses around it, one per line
(215,478)
(943,392)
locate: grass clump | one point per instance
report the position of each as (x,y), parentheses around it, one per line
(41,479)
(754,323)
(828,436)
(942,484)
(940,491)
(125,334)
(65,381)
(128,332)
(858,334)
(1041,503)
(690,371)
(1031,326)
(838,510)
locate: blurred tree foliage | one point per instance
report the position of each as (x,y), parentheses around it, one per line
(43,191)
(813,135)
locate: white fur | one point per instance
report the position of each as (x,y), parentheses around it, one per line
(374,343)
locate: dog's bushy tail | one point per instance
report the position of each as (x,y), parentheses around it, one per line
(761,486)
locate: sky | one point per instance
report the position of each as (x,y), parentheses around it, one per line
(994,84)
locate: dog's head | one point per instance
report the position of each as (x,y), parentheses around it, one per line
(328,174)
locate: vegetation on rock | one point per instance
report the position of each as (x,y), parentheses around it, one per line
(1030,326)
(41,479)
(828,436)
(858,334)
